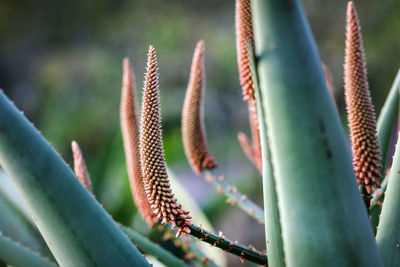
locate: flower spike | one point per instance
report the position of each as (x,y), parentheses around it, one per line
(154,170)
(130,134)
(80,166)
(193,132)
(244,42)
(244,34)
(361,114)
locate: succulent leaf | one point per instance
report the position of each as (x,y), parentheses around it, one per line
(273,229)
(311,162)
(388,232)
(387,127)
(63,210)
(16,254)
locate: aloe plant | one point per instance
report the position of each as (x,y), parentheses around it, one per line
(321,196)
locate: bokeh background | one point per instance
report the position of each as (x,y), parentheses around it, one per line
(60,61)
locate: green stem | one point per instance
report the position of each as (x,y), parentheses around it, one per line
(185,243)
(234,197)
(219,241)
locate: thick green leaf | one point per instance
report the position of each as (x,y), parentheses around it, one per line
(388,119)
(387,130)
(74,225)
(388,235)
(17,255)
(323,218)
(273,228)
(14,225)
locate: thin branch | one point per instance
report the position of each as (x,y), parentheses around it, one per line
(234,197)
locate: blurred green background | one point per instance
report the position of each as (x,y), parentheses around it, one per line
(60,61)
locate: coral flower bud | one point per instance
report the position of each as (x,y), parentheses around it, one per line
(80,166)
(193,132)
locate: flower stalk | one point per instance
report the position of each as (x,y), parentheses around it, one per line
(244,252)
(235,198)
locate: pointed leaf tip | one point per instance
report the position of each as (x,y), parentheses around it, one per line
(193,130)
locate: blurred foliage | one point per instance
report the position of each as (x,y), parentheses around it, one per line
(61,63)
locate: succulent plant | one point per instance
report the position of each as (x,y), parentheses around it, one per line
(313,186)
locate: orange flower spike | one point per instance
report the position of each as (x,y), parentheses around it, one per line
(361,114)
(244,34)
(130,133)
(193,132)
(80,167)
(154,170)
